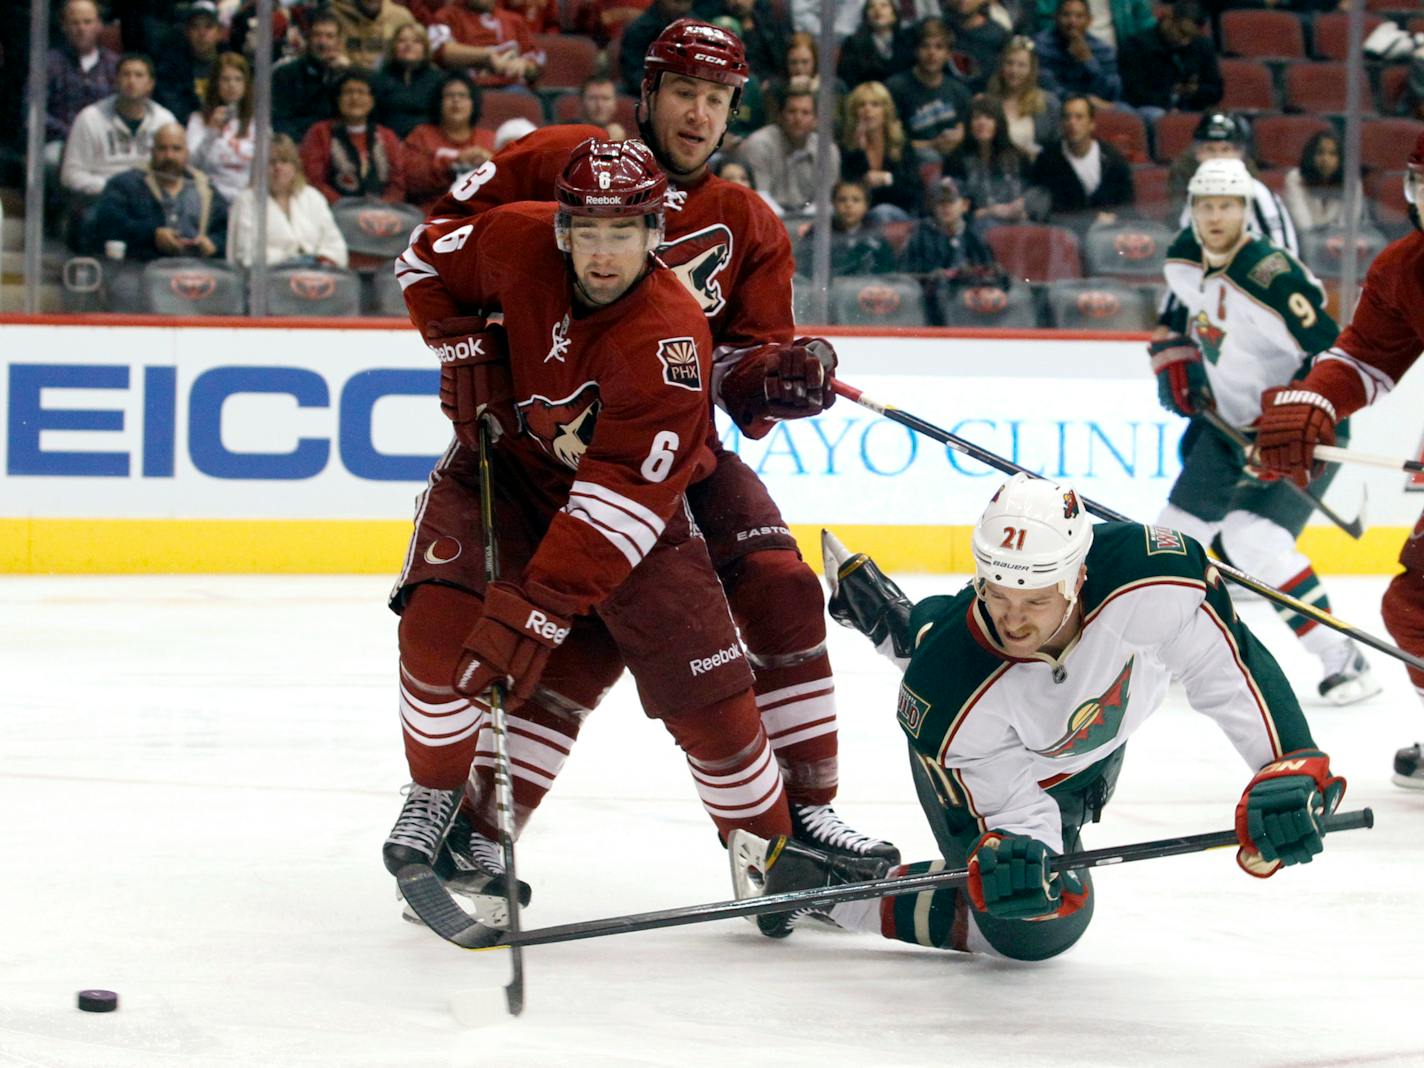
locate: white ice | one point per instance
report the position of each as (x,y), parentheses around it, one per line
(197,774)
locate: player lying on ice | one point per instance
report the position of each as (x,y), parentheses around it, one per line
(1018,697)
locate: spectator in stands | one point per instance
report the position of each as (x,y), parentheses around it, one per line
(352,155)
(1315,190)
(185,64)
(1087,181)
(112,136)
(857,246)
(221,138)
(242,36)
(876,154)
(300,226)
(989,170)
(602,20)
(163,210)
(930,101)
(407,84)
(734,170)
(1115,21)
(367,27)
(882,46)
(425,10)
(541,16)
(79,73)
(495,45)
(946,253)
(761,29)
(1072,60)
(302,85)
(1171,67)
(598,105)
(449,146)
(785,158)
(978,38)
(642,32)
(802,67)
(1030,111)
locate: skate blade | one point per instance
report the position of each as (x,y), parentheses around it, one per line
(1358,689)
(746,855)
(487,909)
(1408,782)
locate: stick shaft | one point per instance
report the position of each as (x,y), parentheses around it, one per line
(1333,454)
(1241,578)
(906,884)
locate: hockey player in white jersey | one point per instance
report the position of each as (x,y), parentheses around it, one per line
(1247,316)
(1018,697)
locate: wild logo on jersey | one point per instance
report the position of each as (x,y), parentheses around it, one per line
(563,428)
(1210,335)
(697,259)
(1095,722)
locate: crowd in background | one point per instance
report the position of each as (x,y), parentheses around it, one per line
(954,119)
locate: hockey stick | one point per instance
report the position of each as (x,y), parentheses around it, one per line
(1354,527)
(1332,454)
(474,935)
(993,459)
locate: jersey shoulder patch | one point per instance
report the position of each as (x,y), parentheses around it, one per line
(1124,555)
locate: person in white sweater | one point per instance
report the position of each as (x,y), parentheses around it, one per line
(115,134)
(221,136)
(300,226)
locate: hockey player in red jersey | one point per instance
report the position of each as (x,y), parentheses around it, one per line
(734,256)
(597,381)
(1379,345)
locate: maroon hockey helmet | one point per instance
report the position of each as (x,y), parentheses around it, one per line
(612,179)
(697,50)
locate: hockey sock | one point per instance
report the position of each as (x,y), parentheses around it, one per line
(933,918)
(1267,550)
(1403,612)
(777,603)
(732,766)
(539,741)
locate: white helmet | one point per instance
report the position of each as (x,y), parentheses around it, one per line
(1221,177)
(1033,535)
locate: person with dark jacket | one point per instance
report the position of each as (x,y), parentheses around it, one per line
(1086,181)
(641,33)
(166,210)
(762,30)
(1072,60)
(186,61)
(1171,67)
(881,47)
(302,85)
(408,84)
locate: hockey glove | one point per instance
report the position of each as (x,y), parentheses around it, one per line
(511,644)
(1278,817)
(475,382)
(1182,385)
(788,380)
(863,598)
(1293,422)
(1009,878)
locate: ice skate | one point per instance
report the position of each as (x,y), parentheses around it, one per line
(1409,767)
(782,864)
(421,827)
(818,826)
(1348,678)
(472,868)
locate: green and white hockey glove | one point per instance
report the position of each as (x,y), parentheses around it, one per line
(1278,817)
(1009,878)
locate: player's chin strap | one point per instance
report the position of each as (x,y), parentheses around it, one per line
(1241,578)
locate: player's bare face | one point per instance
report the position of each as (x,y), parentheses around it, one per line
(688,117)
(1029,621)
(1220,222)
(608,257)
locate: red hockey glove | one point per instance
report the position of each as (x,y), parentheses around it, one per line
(1182,385)
(475,382)
(788,380)
(511,644)
(1293,421)
(1009,878)
(1278,817)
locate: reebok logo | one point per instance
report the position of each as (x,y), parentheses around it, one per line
(460,350)
(541,626)
(603,200)
(716,660)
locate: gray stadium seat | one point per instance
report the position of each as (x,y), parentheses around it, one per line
(383,295)
(374,228)
(1131,249)
(988,306)
(1099,304)
(878,300)
(1324,250)
(179,286)
(316,291)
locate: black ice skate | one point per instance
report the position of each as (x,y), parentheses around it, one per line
(1409,767)
(782,865)
(472,867)
(818,826)
(421,827)
(1349,682)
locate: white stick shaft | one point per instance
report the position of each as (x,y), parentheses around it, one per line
(1332,454)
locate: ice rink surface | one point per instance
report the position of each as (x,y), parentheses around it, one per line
(196,774)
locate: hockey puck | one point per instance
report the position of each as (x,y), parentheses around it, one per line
(98,1000)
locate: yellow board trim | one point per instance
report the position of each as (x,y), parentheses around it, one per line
(357,546)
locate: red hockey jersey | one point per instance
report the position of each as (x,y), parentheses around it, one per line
(498,29)
(612,402)
(729,249)
(1385,336)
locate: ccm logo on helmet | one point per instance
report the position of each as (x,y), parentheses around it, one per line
(539,624)
(702,57)
(460,350)
(716,660)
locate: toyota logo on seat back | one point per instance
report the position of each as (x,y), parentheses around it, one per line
(378,222)
(1098,304)
(1134,245)
(312,285)
(192,285)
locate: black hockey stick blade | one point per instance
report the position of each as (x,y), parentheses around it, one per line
(459,928)
(427,897)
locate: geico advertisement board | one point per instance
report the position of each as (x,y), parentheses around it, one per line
(237,422)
